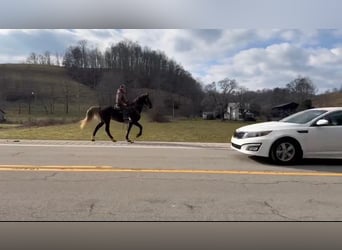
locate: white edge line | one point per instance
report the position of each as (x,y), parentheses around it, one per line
(104,146)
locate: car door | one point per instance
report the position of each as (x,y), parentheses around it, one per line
(326,140)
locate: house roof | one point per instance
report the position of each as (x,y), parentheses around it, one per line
(289,105)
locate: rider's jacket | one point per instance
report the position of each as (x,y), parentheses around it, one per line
(121,100)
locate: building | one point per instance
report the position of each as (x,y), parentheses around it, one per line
(285,109)
(208,115)
(236,111)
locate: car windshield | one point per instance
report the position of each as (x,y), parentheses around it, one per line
(304,116)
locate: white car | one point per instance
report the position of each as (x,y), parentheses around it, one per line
(313,133)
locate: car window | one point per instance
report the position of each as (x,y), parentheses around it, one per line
(304,116)
(334,119)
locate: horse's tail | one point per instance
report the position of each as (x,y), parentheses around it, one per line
(91,113)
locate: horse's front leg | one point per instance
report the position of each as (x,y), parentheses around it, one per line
(140,128)
(127,133)
(96,129)
(108,131)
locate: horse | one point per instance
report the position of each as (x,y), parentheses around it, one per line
(105,115)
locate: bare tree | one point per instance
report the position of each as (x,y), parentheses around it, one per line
(57,59)
(32,59)
(47,56)
(84,53)
(228,88)
(211,97)
(303,90)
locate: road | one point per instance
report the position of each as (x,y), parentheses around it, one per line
(145,181)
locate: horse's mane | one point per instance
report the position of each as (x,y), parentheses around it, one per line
(140,97)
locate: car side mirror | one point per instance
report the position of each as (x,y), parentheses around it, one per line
(322,122)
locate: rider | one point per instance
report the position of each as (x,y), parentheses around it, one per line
(121,101)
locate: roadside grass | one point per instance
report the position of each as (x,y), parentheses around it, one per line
(191,130)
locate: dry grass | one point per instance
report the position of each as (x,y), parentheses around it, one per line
(328,100)
(196,130)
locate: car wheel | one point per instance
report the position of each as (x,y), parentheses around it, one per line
(285,151)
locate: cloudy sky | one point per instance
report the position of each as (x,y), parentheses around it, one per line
(259,43)
(255,58)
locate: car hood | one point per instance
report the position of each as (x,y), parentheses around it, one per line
(266,126)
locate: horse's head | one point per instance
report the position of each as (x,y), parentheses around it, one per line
(141,101)
(147,100)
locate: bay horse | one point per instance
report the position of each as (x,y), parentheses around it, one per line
(105,115)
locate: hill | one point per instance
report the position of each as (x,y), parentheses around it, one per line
(42,90)
(328,100)
(46,89)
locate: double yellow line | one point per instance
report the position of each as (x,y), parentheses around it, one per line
(163,171)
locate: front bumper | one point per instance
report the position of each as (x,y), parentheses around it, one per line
(259,146)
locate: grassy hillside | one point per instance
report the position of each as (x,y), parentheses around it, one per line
(328,100)
(41,90)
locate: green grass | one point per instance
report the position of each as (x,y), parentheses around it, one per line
(195,130)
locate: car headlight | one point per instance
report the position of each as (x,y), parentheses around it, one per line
(256,134)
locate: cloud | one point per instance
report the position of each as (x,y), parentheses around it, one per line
(23,42)
(277,65)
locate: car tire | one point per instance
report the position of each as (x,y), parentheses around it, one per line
(285,151)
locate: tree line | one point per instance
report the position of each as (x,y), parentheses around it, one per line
(218,94)
(128,62)
(143,68)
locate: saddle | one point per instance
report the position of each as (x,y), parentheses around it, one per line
(120,109)
(123,111)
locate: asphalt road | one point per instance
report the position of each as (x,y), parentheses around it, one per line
(144,181)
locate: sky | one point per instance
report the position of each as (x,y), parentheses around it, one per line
(259,43)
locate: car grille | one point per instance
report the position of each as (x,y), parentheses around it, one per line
(238,135)
(236,146)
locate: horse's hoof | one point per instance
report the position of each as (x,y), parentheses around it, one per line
(130,141)
(138,135)
(113,140)
(92,139)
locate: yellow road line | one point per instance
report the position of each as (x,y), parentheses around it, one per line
(174,171)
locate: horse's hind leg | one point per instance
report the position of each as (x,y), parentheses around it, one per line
(95,130)
(108,131)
